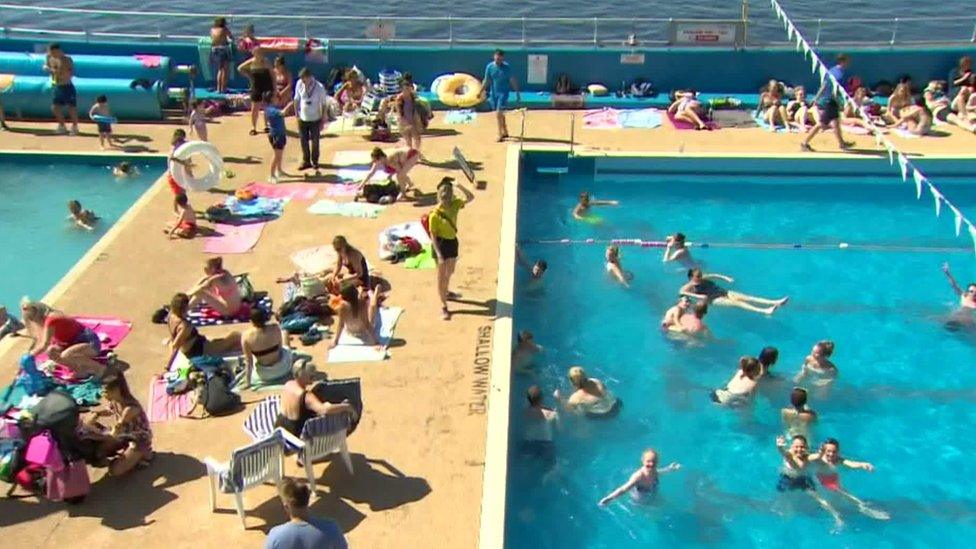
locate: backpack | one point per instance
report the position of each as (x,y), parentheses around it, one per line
(564,85)
(642,88)
(217,398)
(374,194)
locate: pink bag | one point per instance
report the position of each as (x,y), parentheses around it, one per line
(42,450)
(9,429)
(71,482)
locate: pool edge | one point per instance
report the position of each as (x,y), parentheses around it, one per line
(495,483)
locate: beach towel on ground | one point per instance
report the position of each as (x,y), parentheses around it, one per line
(110,331)
(351,158)
(905,134)
(356,174)
(205,316)
(762,123)
(855,130)
(389,237)
(641,118)
(352,349)
(347,125)
(464,116)
(163,406)
(682,125)
(602,119)
(288,191)
(315,260)
(339,190)
(423,260)
(259,207)
(346,209)
(233,239)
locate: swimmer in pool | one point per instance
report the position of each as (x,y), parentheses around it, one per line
(582,209)
(524,353)
(702,286)
(82,218)
(125,169)
(694,324)
(538,420)
(614,268)
(590,396)
(644,481)
(676,250)
(672,317)
(967,299)
(795,473)
(828,461)
(818,365)
(798,417)
(537,269)
(767,358)
(739,390)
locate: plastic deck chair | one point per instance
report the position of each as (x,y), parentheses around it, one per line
(249,466)
(321,437)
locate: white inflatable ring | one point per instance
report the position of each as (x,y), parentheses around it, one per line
(215,166)
(436,84)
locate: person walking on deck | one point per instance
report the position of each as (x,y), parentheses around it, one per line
(497,84)
(62,70)
(829,105)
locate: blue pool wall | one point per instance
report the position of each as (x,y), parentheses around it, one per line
(708,70)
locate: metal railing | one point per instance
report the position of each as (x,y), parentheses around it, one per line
(19,21)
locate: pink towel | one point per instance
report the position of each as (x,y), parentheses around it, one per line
(682,125)
(110,331)
(164,407)
(336,189)
(233,239)
(296,191)
(279,43)
(602,119)
(149,61)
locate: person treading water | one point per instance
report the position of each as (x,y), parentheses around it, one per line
(739,390)
(676,250)
(590,396)
(794,473)
(643,481)
(817,365)
(702,286)
(672,317)
(798,418)
(828,461)
(963,316)
(526,349)
(614,268)
(582,209)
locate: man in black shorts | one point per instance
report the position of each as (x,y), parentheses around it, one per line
(62,70)
(829,107)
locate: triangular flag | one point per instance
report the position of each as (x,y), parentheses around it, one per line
(917,176)
(806,47)
(891,153)
(823,73)
(958,218)
(790,29)
(799,42)
(938,200)
(814,61)
(903,162)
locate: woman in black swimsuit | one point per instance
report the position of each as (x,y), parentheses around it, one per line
(265,353)
(354,263)
(299,403)
(702,286)
(185,338)
(259,72)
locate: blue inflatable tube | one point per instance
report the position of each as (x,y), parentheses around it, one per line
(124,67)
(30,97)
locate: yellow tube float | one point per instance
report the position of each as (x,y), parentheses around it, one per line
(460,90)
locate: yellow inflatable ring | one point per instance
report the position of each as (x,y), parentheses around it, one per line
(460,90)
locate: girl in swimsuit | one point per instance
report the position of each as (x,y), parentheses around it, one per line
(798,417)
(397,164)
(299,403)
(590,396)
(795,475)
(939,104)
(65,340)
(614,268)
(258,71)
(352,261)
(220,54)
(901,99)
(644,481)
(688,108)
(184,337)
(818,365)
(217,289)
(582,209)
(828,461)
(771,105)
(800,112)
(185,225)
(350,93)
(916,119)
(701,286)
(355,309)
(739,390)
(264,347)
(198,121)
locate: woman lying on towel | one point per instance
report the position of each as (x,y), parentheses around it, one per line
(688,108)
(356,309)
(64,339)
(184,337)
(217,289)
(299,404)
(263,344)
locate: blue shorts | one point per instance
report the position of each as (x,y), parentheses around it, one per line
(65,95)
(498,102)
(277,141)
(103,127)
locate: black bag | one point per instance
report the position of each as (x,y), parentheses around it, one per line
(564,85)
(217,398)
(374,193)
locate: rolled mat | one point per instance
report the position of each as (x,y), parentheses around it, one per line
(31,96)
(123,67)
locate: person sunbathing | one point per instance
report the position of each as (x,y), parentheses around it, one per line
(687,108)
(265,353)
(184,337)
(898,102)
(937,102)
(217,289)
(350,94)
(862,104)
(964,84)
(916,119)
(771,106)
(355,310)
(800,111)
(299,403)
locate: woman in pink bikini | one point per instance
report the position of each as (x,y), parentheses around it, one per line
(397,164)
(828,461)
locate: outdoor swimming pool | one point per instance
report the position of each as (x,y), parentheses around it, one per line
(39,244)
(905,399)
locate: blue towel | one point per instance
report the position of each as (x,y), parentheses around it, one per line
(761,122)
(464,116)
(259,207)
(643,118)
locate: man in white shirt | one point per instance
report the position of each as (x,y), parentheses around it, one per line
(309,104)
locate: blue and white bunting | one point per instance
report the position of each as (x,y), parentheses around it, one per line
(919,179)
(937,197)
(957,217)
(903,162)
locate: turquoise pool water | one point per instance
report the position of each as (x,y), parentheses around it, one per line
(39,244)
(905,399)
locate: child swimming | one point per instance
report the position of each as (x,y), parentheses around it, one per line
(643,481)
(612,257)
(582,209)
(798,417)
(818,365)
(795,473)
(125,169)
(828,461)
(83,218)
(178,139)
(185,225)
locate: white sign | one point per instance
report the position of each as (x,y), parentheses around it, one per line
(631,58)
(538,69)
(705,34)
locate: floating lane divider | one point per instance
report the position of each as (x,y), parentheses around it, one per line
(907,167)
(638,243)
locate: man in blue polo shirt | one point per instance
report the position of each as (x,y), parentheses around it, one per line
(826,101)
(498,82)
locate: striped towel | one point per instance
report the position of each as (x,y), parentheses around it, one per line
(205,316)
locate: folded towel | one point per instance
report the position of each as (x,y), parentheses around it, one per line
(641,118)
(346,209)
(352,349)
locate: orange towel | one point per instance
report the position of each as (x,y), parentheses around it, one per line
(6,82)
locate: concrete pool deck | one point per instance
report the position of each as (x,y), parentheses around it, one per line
(419,453)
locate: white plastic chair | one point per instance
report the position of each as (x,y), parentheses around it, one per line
(258,463)
(322,436)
